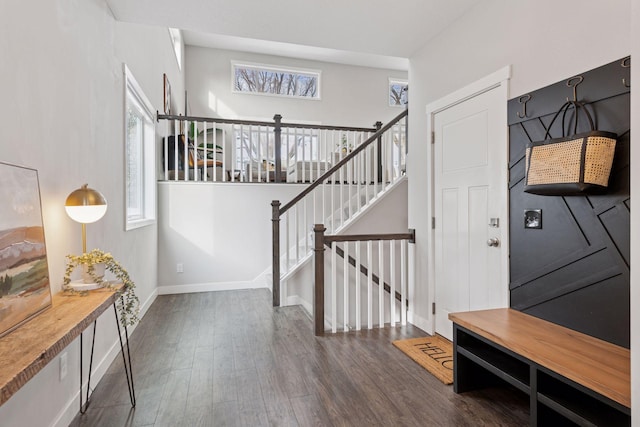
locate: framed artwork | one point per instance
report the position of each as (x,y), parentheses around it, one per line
(167,94)
(398,93)
(533,218)
(24,272)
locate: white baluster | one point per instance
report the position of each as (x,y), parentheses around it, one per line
(334,288)
(357,175)
(176,156)
(288,239)
(224,157)
(381,284)
(297,236)
(358,283)
(187,168)
(205,151)
(370,284)
(342,219)
(346,286)
(241,164)
(166,151)
(403,281)
(305,226)
(392,281)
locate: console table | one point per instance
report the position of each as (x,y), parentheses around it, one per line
(28,349)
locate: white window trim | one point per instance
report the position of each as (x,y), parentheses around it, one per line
(280,68)
(392,81)
(149,155)
(175,35)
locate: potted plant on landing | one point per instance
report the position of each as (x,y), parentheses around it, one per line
(345,146)
(94,265)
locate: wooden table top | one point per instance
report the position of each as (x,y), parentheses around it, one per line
(26,350)
(591,362)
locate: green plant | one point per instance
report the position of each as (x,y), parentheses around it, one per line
(345,145)
(129,304)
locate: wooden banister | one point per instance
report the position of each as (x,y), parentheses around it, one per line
(410,236)
(261,123)
(344,161)
(320,241)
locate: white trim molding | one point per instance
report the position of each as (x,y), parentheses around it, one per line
(499,79)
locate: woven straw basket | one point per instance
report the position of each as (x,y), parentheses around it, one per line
(571,165)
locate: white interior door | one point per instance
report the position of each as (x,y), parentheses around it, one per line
(469,191)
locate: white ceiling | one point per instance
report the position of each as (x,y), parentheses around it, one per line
(378,33)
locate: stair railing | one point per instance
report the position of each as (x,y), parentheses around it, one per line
(346,286)
(227,150)
(357,176)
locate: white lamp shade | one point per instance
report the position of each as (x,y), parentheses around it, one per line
(86,205)
(86,214)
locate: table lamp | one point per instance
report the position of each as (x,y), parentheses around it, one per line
(85,205)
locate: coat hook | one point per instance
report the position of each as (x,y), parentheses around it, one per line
(523,100)
(626,63)
(577,80)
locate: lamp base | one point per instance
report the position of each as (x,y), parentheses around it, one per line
(80,285)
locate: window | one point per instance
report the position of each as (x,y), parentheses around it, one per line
(176,41)
(268,80)
(139,155)
(398,93)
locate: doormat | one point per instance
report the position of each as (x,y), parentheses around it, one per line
(435,354)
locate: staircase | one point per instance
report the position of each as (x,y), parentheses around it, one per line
(360,179)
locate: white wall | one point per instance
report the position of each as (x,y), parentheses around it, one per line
(533,36)
(220,233)
(351,96)
(62,85)
(635,224)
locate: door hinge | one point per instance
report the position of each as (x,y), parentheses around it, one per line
(433,308)
(433,222)
(433,137)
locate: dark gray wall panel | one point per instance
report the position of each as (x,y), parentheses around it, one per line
(575,270)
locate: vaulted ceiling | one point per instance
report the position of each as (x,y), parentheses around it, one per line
(362,32)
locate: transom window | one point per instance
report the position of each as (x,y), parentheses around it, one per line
(272,80)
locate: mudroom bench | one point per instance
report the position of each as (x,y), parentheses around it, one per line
(571,378)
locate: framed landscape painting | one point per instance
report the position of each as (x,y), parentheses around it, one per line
(24,273)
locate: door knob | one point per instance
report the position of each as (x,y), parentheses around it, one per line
(493,242)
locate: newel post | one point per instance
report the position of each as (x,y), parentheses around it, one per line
(318,293)
(378,126)
(275,260)
(277,139)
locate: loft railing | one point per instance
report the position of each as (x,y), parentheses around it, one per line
(225,150)
(336,197)
(350,301)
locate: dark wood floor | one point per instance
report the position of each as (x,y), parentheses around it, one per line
(229,358)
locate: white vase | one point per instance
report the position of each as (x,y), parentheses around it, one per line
(98,272)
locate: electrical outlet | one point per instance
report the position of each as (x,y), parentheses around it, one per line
(63,365)
(179,268)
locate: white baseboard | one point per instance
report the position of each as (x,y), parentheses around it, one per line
(296,300)
(421,322)
(208,287)
(66,416)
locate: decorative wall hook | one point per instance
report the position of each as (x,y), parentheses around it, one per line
(574,82)
(626,63)
(523,100)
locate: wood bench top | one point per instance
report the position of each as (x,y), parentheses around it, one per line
(28,349)
(591,362)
